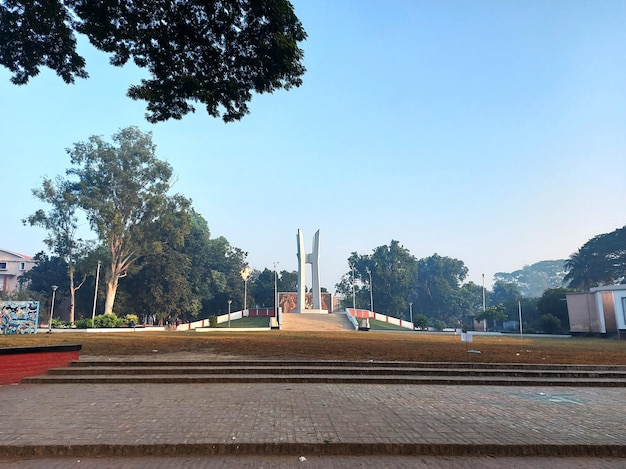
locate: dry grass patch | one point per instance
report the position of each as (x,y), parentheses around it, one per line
(338,346)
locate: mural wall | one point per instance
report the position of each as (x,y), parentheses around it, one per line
(289,301)
(19,317)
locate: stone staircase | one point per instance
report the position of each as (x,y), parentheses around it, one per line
(299,371)
(316,322)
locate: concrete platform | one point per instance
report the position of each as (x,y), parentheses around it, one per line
(89,420)
(335,425)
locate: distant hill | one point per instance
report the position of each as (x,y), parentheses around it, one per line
(533,280)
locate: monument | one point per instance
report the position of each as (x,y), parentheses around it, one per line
(312,258)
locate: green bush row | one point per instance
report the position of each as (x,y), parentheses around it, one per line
(107,320)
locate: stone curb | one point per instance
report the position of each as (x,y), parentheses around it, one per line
(330,449)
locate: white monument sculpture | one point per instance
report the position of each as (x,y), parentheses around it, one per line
(314,259)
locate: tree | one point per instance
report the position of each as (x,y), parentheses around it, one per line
(495,313)
(288,281)
(261,285)
(158,283)
(438,287)
(553,302)
(214,53)
(123,188)
(470,302)
(533,280)
(61,222)
(393,271)
(48,271)
(224,276)
(600,261)
(420,321)
(549,324)
(504,293)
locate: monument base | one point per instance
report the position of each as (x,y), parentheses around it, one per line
(312,311)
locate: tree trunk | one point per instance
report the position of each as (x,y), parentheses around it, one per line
(72,297)
(110,298)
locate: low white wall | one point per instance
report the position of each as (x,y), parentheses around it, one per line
(231,329)
(102,329)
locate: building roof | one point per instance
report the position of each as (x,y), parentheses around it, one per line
(608,288)
(10,255)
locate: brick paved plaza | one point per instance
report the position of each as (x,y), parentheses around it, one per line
(331,422)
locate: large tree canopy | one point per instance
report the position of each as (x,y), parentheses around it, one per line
(213,52)
(61,222)
(123,188)
(601,261)
(393,272)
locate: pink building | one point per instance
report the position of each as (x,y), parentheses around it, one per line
(12,265)
(601,311)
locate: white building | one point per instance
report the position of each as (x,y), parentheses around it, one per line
(601,311)
(12,265)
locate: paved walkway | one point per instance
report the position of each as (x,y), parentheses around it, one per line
(315,322)
(334,423)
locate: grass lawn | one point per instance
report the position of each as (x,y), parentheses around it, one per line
(247,322)
(385,326)
(347,345)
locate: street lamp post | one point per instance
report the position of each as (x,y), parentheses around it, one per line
(245,275)
(353,293)
(54,290)
(411,312)
(484,306)
(276,294)
(229,302)
(521,331)
(371,291)
(95,296)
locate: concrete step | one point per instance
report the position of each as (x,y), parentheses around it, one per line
(341,364)
(325,370)
(331,372)
(315,322)
(327,379)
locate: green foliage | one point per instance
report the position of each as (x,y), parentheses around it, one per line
(601,261)
(393,272)
(494,313)
(47,271)
(122,187)
(261,287)
(107,320)
(61,223)
(504,293)
(214,53)
(130,319)
(532,280)
(83,323)
(212,321)
(553,302)
(420,321)
(59,324)
(550,324)
(288,281)
(438,288)
(439,325)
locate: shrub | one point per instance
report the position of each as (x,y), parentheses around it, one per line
(83,323)
(59,324)
(420,321)
(107,320)
(550,324)
(130,318)
(439,325)
(212,321)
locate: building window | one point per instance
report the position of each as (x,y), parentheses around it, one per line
(22,265)
(3,266)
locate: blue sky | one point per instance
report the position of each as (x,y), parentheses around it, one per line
(489,131)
